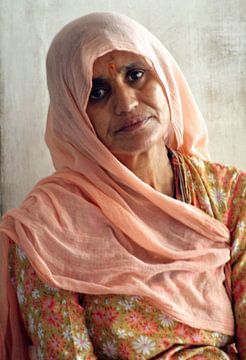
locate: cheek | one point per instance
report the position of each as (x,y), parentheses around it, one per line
(156,97)
(160,98)
(162,104)
(162,108)
(98,119)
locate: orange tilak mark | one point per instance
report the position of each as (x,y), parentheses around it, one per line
(112,66)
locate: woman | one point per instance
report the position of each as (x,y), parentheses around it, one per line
(124,252)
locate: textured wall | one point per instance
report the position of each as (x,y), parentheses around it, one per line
(207,38)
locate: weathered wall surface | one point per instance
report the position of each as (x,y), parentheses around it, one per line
(207,38)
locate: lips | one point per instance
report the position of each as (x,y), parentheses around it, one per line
(132,124)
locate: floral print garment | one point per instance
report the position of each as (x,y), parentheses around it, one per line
(65,325)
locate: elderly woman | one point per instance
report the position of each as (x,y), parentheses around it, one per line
(135,247)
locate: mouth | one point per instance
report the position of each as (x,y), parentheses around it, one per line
(132,124)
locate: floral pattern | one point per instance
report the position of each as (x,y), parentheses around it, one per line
(65,325)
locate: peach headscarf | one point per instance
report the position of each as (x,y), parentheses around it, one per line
(93,226)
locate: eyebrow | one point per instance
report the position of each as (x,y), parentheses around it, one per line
(125,68)
(132,66)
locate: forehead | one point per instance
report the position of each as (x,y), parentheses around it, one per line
(120,59)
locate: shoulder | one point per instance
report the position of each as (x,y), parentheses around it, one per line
(216,175)
(226,186)
(215,188)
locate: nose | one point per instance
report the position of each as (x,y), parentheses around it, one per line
(124,99)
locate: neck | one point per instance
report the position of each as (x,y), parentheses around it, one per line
(152,166)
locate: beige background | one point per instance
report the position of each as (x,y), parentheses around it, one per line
(207,38)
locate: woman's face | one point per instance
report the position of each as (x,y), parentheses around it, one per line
(127,105)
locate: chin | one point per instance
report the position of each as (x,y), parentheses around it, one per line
(137,144)
(134,149)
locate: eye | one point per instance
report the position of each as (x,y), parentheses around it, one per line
(98,93)
(134,75)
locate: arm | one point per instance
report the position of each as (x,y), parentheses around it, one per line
(224,197)
(237,225)
(53,317)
